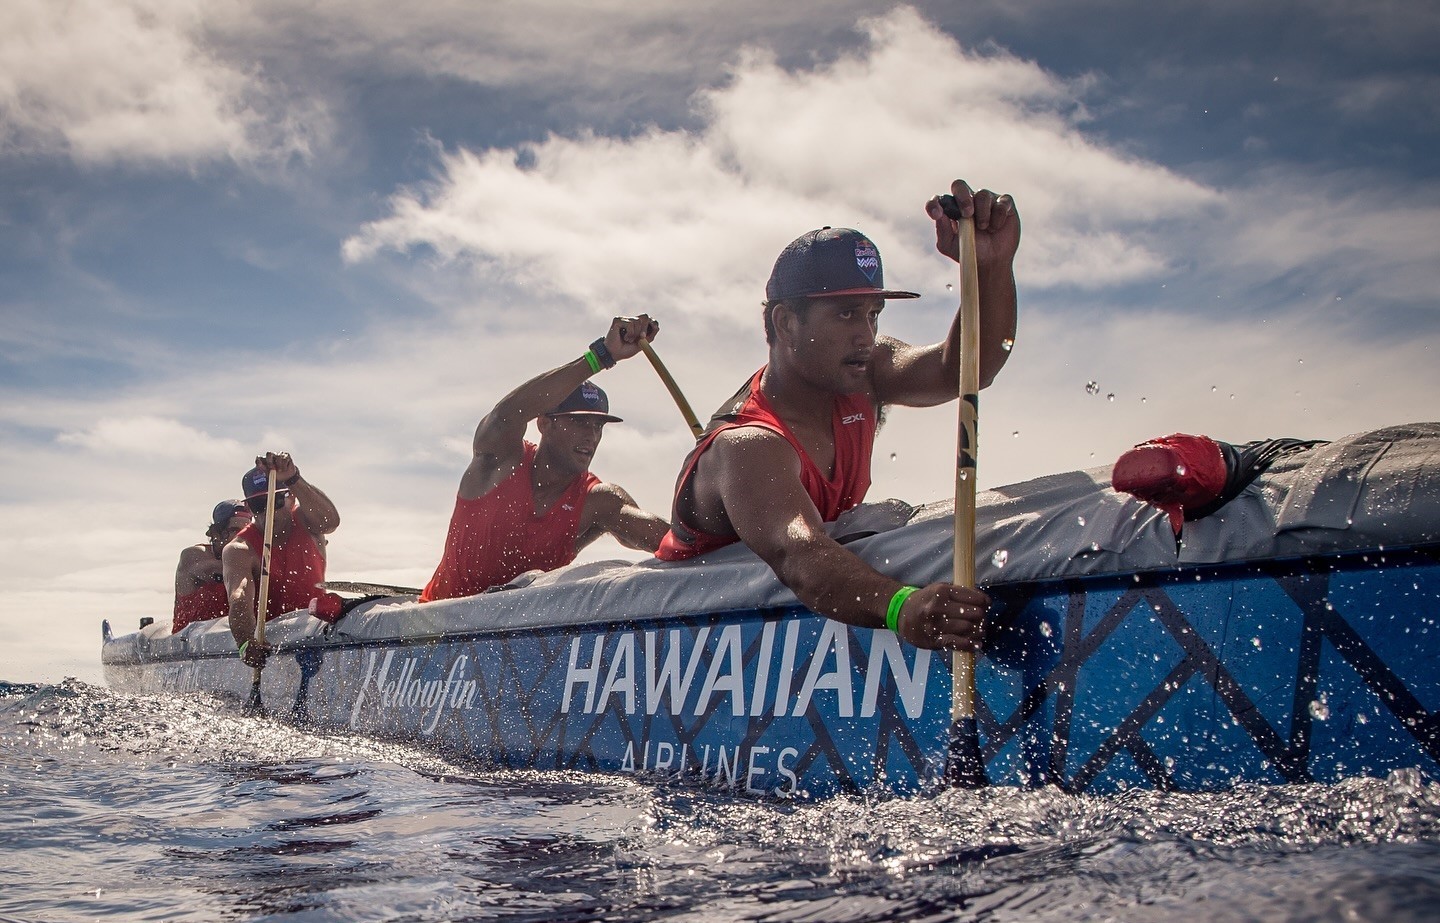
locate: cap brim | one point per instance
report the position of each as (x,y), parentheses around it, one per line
(607,417)
(883,293)
(279,492)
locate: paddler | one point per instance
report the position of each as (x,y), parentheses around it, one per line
(303,517)
(526,506)
(791,450)
(199,584)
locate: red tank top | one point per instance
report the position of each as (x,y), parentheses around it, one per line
(496,537)
(202,605)
(853,424)
(297,568)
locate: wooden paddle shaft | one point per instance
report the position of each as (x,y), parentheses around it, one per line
(263,608)
(962,701)
(673,388)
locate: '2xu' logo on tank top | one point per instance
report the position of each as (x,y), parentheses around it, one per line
(867,258)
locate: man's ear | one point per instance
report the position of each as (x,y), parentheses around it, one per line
(543,422)
(787,322)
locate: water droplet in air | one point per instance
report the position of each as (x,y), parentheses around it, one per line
(1319,710)
(1015,435)
(893,456)
(1142,400)
(1362,719)
(1092,387)
(1007,344)
(1000,557)
(1110,396)
(964,475)
(1046,630)
(1080,520)
(1213,389)
(1180,470)
(949,286)
(1256,642)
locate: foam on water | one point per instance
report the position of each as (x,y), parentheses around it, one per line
(122,807)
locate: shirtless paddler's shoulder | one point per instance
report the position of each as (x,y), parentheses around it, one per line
(606,496)
(749,447)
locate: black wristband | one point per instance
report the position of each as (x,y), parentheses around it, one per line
(292,480)
(602,354)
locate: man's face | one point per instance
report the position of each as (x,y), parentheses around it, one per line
(234,525)
(832,340)
(569,441)
(257,507)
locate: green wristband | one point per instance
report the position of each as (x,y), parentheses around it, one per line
(592,361)
(892,614)
(241,652)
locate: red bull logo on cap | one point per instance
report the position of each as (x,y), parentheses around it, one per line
(867,258)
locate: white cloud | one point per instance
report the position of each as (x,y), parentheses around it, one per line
(134,81)
(692,221)
(150,437)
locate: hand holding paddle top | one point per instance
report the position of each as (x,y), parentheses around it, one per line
(943,615)
(997,224)
(280,463)
(628,334)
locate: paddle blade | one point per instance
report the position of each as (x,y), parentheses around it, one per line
(254,708)
(964,766)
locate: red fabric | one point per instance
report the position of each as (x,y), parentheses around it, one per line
(327,607)
(1175,473)
(202,605)
(495,538)
(853,424)
(297,568)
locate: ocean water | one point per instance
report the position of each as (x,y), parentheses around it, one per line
(119,807)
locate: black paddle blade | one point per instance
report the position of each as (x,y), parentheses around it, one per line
(254,708)
(965,767)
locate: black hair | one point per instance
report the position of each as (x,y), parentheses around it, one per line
(798,306)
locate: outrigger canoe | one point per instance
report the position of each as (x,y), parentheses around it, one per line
(1289,637)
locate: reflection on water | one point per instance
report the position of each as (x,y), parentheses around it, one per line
(123,807)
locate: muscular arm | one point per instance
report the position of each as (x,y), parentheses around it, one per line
(500,436)
(240,568)
(610,508)
(320,515)
(922,376)
(779,523)
(195,567)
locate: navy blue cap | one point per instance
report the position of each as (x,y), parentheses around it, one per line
(826,262)
(225,510)
(256,482)
(586,400)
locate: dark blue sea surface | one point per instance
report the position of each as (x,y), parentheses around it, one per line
(120,807)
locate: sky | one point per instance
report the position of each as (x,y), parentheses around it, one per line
(332,230)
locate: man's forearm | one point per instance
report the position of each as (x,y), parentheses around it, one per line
(319,509)
(537,396)
(830,580)
(998,310)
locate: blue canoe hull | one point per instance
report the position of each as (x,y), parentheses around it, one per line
(1311,669)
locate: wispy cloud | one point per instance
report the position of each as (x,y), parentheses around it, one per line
(681,217)
(133,81)
(145,436)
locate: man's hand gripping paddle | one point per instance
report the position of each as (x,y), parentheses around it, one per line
(965,766)
(255,706)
